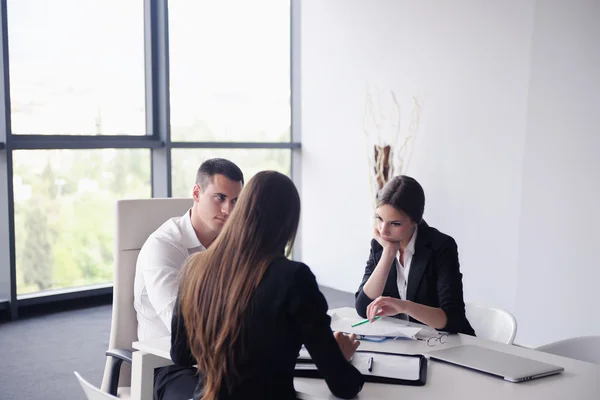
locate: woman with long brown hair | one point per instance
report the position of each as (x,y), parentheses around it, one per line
(244,310)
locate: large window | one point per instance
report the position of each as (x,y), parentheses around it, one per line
(230,70)
(114,99)
(76,66)
(64,213)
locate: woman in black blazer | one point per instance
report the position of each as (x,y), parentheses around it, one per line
(413,270)
(244,310)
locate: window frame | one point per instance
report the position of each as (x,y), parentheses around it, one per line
(157,138)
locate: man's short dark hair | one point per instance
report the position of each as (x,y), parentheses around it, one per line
(214,166)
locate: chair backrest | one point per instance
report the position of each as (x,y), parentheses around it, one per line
(584,348)
(135,221)
(492,323)
(91,391)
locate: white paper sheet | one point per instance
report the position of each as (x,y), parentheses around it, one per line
(385,326)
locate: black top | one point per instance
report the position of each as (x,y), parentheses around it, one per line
(434,278)
(286,310)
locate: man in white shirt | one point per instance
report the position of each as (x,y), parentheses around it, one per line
(157,276)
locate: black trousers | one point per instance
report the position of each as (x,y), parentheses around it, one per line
(174,383)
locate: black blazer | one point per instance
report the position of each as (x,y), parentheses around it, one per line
(434,278)
(286,311)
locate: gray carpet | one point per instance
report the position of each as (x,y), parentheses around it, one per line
(40,353)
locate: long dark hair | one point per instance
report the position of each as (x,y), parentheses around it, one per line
(404,194)
(218,283)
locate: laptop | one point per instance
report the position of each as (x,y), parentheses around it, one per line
(507,366)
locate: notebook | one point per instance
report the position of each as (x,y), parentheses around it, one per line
(507,366)
(375,366)
(383,327)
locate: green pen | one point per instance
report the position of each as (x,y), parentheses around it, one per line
(363,322)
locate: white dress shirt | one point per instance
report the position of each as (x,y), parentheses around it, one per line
(403,271)
(157,274)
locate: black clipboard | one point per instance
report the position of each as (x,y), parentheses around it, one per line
(302,372)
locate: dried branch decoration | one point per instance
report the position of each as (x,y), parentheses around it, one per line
(389,147)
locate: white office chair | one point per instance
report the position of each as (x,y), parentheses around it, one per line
(91,391)
(135,221)
(584,348)
(492,323)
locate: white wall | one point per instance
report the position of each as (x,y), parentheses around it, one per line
(559,262)
(482,69)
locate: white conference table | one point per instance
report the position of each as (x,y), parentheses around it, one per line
(580,380)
